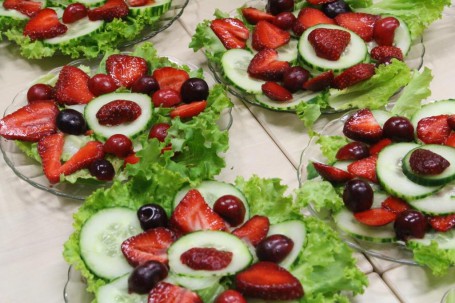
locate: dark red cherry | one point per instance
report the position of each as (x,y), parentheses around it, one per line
(357,195)
(101,84)
(398,129)
(285,20)
(152,216)
(410,224)
(119,145)
(194,89)
(71,122)
(274,248)
(231,209)
(145,85)
(335,8)
(278,6)
(384,30)
(39,91)
(166,97)
(159,131)
(74,12)
(353,151)
(102,169)
(294,78)
(145,277)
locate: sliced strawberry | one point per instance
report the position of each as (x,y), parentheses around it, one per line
(125,69)
(384,30)
(451,121)
(206,258)
(309,17)
(267,35)
(331,173)
(320,82)
(395,205)
(165,292)
(353,75)
(442,223)
(193,213)
(230,296)
(434,129)
(360,23)
(44,25)
(26,7)
(268,281)
(353,151)
(329,43)
(254,230)
(117,112)
(450,140)
(265,66)
(385,53)
(149,245)
(362,126)
(276,92)
(170,78)
(231,32)
(131,159)
(72,86)
(254,15)
(375,217)
(190,110)
(109,11)
(376,148)
(90,152)
(139,2)
(50,149)
(31,122)
(364,168)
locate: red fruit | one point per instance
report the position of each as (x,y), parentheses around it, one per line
(231,32)
(90,152)
(50,149)
(375,217)
(109,11)
(450,140)
(139,2)
(166,97)
(267,35)
(72,86)
(354,75)
(206,258)
(427,163)
(376,148)
(193,213)
(329,43)
(131,159)
(320,82)
(101,84)
(265,66)
(434,129)
(40,91)
(353,151)
(159,131)
(319,2)
(362,126)
(253,15)
(384,30)
(395,205)
(44,25)
(364,168)
(149,245)
(254,230)
(451,121)
(276,92)
(285,20)
(74,12)
(385,53)
(117,112)
(165,292)
(119,145)
(189,110)
(231,209)
(309,17)
(268,281)
(230,296)
(125,69)
(169,77)
(331,173)
(31,122)
(360,23)
(442,223)
(26,7)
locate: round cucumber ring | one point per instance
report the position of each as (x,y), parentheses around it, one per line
(439,204)
(158,8)
(117,291)
(297,98)
(78,29)
(443,107)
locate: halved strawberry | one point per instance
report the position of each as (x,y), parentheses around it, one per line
(193,213)
(31,122)
(267,35)
(206,258)
(384,53)
(362,126)
(109,11)
(26,7)
(450,140)
(442,223)
(147,246)
(254,15)
(353,75)
(72,86)
(329,43)
(139,2)
(90,152)
(375,217)
(126,69)
(364,168)
(165,292)
(231,32)
(265,66)
(50,149)
(395,205)
(309,17)
(377,147)
(186,111)
(276,92)
(118,112)
(131,159)
(331,173)
(44,25)
(360,23)
(254,230)
(268,281)
(320,82)
(434,129)
(170,78)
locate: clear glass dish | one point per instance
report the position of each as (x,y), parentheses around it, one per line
(31,171)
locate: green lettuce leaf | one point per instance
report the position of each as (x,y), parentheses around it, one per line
(359,3)
(309,112)
(330,145)
(321,195)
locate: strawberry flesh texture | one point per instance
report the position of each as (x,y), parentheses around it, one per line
(309,17)
(254,230)
(50,149)
(360,23)
(26,7)
(329,43)
(109,11)
(385,53)
(165,292)
(375,217)
(125,69)
(139,2)
(231,32)
(206,258)
(186,111)
(254,15)
(353,75)
(434,129)
(364,168)
(267,35)
(384,30)
(395,205)
(170,78)
(376,148)
(265,66)
(44,25)
(442,223)
(331,173)
(450,140)
(276,92)
(362,126)
(118,112)
(31,122)
(427,163)
(90,152)
(72,86)
(320,82)
(268,281)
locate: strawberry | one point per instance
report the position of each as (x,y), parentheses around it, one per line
(254,230)
(267,35)
(268,281)
(450,140)
(165,292)
(451,121)
(319,2)
(118,112)
(364,168)
(31,122)
(353,151)
(433,130)
(206,258)
(170,78)
(329,43)
(90,152)
(192,109)
(384,30)
(385,53)
(74,12)
(139,2)
(376,148)
(253,15)
(50,149)
(360,23)
(131,159)
(442,223)
(109,11)
(395,205)
(149,245)
(276,92)
(231,32)
(309,17)
(265,66)
(125,69)
(331,173)
(375,217)
(72,86)
(320,82)
(193,213)
(362,126)
(230,296)
(44,25)
(26,7)
(353,75)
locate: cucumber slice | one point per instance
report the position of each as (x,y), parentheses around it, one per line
(356,51)
(443,178)
(381,116)
(444,240)
(158,8)
(392,178)
(219,240)
(101,238)
(297,98)
(288,52)
(438,204)
(78,29)
(444,107)
(117,291)
(402,38)
(193,283)
(92,3)
(131,129)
